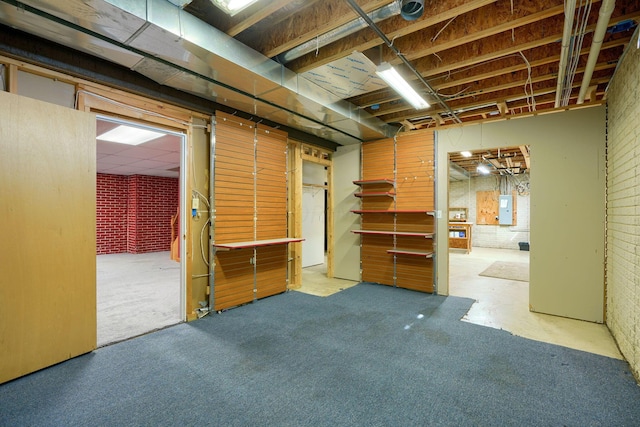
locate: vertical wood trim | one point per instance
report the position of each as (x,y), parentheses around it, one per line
(12,83)
(295,214)
(330,229)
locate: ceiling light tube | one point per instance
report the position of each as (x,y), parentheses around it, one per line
(231,7)
(483,169)
(465,153)
(129,135)
(389,74)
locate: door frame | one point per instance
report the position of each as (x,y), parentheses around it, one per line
(182,199)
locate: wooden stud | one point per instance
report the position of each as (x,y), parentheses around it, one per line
(12,84)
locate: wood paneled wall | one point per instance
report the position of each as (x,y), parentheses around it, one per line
(408,163)
(250,202)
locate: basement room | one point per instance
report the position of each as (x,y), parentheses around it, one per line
(326,212)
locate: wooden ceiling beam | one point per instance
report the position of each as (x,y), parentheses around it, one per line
(310,22)
(486,103)
(259,15)
(393,28)
(496,47)
(524,149)
(480,24)
(515,74)
(497,84)
(537,57)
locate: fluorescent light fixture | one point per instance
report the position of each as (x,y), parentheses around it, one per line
(483,169)
(231,7)
(389,74)
(129,135)
(465,153)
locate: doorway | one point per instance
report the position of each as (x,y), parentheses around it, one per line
(140,190)
(489,230)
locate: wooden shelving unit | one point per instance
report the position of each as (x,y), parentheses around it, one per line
(397,220)
(460,235)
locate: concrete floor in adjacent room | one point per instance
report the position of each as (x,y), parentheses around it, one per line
(500,303)
(136,294)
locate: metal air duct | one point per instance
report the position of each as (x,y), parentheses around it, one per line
(412,9)
(168,45)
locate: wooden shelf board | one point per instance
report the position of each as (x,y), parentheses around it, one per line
(410,252)
(391,233)
(254,243)
(360,211)
(379,193)
(374,181)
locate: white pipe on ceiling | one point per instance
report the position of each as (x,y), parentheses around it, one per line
(606,9)
(569,12)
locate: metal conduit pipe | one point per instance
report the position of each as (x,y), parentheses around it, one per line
(569,12)
(606,9)
(404,60)
(344,30)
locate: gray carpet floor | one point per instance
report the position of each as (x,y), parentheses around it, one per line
(370,355)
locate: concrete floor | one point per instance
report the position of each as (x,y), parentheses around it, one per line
(501,304)
(504,304)
(136,294)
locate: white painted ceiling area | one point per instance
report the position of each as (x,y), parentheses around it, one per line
(158,157)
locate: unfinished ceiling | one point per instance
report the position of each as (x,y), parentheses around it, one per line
(506,161)
(311,64)
(483,58)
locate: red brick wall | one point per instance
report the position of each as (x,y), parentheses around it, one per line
(134,213)
(152,202)
(111,213)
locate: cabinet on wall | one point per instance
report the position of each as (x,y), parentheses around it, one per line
(460,235)
(397,221)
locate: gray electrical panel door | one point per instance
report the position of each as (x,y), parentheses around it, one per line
(506,210)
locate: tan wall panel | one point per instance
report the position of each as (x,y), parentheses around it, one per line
(376,263)
(249,207)
(48,264)
(271,270)
(377,159)
(234,280)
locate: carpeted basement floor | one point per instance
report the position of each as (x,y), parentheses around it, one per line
(370,355)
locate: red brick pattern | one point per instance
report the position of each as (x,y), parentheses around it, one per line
(134,213)
(152,202)
(111,213)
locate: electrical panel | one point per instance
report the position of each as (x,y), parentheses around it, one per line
(506,210)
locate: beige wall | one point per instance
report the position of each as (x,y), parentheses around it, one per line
(346,166)
(623,240)
(567,205)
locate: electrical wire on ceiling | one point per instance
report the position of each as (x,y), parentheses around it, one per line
(442,29)
(530,97)
(455,94)
(579,33)
(583,11)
